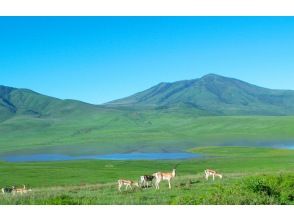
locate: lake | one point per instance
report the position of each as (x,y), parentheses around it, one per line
(123,156)
(290,147)
(285,147)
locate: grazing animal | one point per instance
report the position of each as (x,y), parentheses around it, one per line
(145,179)
(159,176)
(21,190)
(7,189)
(127,183)
(212,173)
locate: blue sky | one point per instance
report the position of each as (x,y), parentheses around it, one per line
(98,59)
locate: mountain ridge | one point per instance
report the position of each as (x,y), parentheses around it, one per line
(211,94)
(216,94)
(17,102)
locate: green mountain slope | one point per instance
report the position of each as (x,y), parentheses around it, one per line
(213,110)
(24,102)
(215,95)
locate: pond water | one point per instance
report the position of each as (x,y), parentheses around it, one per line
(124,156)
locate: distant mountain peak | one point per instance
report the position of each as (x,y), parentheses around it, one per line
(211,94)
(215,94)
(212,75)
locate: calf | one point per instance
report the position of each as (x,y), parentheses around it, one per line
(212,173)
(127,183)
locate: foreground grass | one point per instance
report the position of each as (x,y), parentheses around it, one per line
(251,176)
(192,190)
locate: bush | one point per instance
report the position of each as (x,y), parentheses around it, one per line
(259,190)
(62,200)
(264,186)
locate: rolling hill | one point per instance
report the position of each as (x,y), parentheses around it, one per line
(24,102)
(213,94)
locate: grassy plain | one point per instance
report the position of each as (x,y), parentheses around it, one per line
(251,176)
(146,131)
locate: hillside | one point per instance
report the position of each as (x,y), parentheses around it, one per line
(213,94)
(24,102)
(210,95)
(213,110)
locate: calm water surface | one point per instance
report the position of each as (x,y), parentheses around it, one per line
(123,156)
(285,147)
(126,156)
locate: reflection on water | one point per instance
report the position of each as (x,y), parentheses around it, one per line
(290,147)
(126,156)
(285,147)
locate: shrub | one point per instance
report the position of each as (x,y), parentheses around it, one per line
(257,190)
(62,200)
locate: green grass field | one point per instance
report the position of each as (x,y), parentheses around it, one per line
(251,176)
(145,131)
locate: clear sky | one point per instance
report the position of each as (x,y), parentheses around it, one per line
(98,59)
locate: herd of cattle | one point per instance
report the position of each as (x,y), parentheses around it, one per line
(143,182)
(158,177)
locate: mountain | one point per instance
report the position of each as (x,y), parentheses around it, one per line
(24,102)
(210,95)
(215,95)
(163,118)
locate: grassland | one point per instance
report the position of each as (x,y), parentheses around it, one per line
(146,131)
(251,176)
